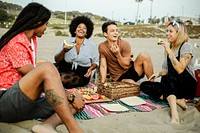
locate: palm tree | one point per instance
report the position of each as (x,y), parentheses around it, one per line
(138,1)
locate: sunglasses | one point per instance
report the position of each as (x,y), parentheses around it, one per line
(175,23)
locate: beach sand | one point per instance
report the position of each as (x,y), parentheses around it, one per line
(157,121)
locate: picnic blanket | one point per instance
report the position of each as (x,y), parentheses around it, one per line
(95,110)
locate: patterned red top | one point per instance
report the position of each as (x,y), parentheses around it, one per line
(15,54)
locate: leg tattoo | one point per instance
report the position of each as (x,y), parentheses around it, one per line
(52,98)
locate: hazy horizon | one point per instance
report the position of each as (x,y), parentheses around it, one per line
(126,10)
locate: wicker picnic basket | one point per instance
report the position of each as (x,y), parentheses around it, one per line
(117,90)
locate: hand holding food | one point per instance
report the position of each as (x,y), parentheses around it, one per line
(67,45)
(115,49)
(160,41)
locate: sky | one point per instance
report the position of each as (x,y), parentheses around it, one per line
(123,10)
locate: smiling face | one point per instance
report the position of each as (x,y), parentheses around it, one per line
(81,30)
(112,33)
(171,34)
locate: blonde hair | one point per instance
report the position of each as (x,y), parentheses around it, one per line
(182,36)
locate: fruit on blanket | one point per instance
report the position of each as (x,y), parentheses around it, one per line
(95,96)
(87,97)
(102,97)
(87,91)
(89,94)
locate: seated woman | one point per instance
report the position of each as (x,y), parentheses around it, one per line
(77,56)
(178,81)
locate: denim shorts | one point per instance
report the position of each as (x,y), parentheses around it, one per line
(16,106)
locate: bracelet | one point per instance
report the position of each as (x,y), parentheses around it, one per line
(73,96)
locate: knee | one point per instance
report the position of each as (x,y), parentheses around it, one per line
(47,65)
(145,56)
(48,68)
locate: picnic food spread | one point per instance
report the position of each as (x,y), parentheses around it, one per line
(108,91)
(90,95)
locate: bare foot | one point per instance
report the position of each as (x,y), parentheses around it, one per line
(175,118)
(131,81)
(175,121)
(43,129)
(182,103)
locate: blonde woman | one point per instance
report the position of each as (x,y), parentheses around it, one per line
(178,81)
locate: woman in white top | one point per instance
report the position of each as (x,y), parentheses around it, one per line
(76,62)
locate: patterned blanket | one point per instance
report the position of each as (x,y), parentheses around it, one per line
(95,110)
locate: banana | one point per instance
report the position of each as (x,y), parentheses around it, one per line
(68,45)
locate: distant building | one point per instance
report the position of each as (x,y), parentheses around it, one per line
(194,21)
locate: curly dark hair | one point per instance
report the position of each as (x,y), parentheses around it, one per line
(78,20)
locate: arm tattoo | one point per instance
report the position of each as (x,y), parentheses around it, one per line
(173,60)
(186,57)
(52,98)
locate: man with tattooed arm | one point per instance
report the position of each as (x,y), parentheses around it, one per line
(22,82)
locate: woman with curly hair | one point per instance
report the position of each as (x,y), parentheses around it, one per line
(77,56)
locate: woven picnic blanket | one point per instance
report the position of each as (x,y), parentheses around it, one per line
(95,110)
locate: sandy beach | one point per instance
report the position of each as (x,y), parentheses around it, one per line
(48,44)
(156,121)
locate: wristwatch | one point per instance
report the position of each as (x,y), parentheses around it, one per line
(72,98)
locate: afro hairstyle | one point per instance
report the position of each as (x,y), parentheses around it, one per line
(78,20)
